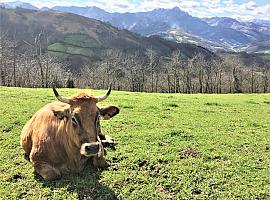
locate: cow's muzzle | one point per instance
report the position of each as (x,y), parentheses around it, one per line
(90,149)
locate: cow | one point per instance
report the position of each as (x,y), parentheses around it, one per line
(65,136)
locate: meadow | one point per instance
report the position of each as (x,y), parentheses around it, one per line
(169,146)
(77,44)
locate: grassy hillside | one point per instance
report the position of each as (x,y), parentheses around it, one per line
(78,44)
(169,147)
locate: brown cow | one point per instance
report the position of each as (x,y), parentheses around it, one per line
(63,136)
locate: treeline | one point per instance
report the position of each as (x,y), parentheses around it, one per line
(176,74)
(29,64)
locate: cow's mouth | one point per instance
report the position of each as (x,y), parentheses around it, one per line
(90,149)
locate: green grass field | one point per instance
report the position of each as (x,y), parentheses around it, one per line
(170,146)
(76,44)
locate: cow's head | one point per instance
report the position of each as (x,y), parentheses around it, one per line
(83,116)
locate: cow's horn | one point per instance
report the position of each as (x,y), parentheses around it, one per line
(103,97)
(60,98)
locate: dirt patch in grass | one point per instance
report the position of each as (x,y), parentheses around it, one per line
(165,192)
(93,194)
(187,153)
(181,134)
(16,177)
(196,191)
(216,158)
(212,104)
(142,163)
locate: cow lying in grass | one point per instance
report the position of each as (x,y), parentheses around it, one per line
(64,136)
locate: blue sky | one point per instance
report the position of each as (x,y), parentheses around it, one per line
(240,9)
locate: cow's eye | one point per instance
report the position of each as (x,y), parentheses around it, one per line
(74,121)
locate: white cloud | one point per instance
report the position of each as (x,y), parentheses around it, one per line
(250,6)
(200,8)
(251,10)
(50,4)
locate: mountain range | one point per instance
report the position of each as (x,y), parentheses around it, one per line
(82,40)
(216,34)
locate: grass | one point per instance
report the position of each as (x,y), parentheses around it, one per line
(77,44)
(170,146)
(81,40)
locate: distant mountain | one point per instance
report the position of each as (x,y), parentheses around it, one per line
(257,32)
(259,47)
(213,33)
(90,12)
(82,39)
(217,33)
(158,21)
(19,4)
(184,37)
(260,21)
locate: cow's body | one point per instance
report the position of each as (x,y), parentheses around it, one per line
(55,144)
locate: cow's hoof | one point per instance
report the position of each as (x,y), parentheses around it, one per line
(26,157)
(104,165)
(108,142)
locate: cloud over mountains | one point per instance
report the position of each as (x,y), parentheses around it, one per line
(243,10)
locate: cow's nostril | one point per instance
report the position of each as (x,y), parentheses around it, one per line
(92,148)
(87,148)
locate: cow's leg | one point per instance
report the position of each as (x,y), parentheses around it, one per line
(107,141)
(41,167)
(99,160)
(101,136)
(46,171)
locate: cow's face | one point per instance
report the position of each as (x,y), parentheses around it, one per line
(85,116)
(83,125)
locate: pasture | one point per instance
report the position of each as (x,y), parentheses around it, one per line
(169,146)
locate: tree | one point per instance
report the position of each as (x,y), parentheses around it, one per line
(266,77)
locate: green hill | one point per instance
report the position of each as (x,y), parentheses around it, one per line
(78,44)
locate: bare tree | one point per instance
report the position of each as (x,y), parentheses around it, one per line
(266,78)
(153,63)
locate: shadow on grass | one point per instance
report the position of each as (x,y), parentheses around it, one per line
(85,184)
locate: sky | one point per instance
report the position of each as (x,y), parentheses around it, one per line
(239,9)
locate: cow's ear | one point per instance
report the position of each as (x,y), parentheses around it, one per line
(61,113)
(109,112)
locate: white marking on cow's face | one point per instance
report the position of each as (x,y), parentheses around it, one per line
(90,149)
